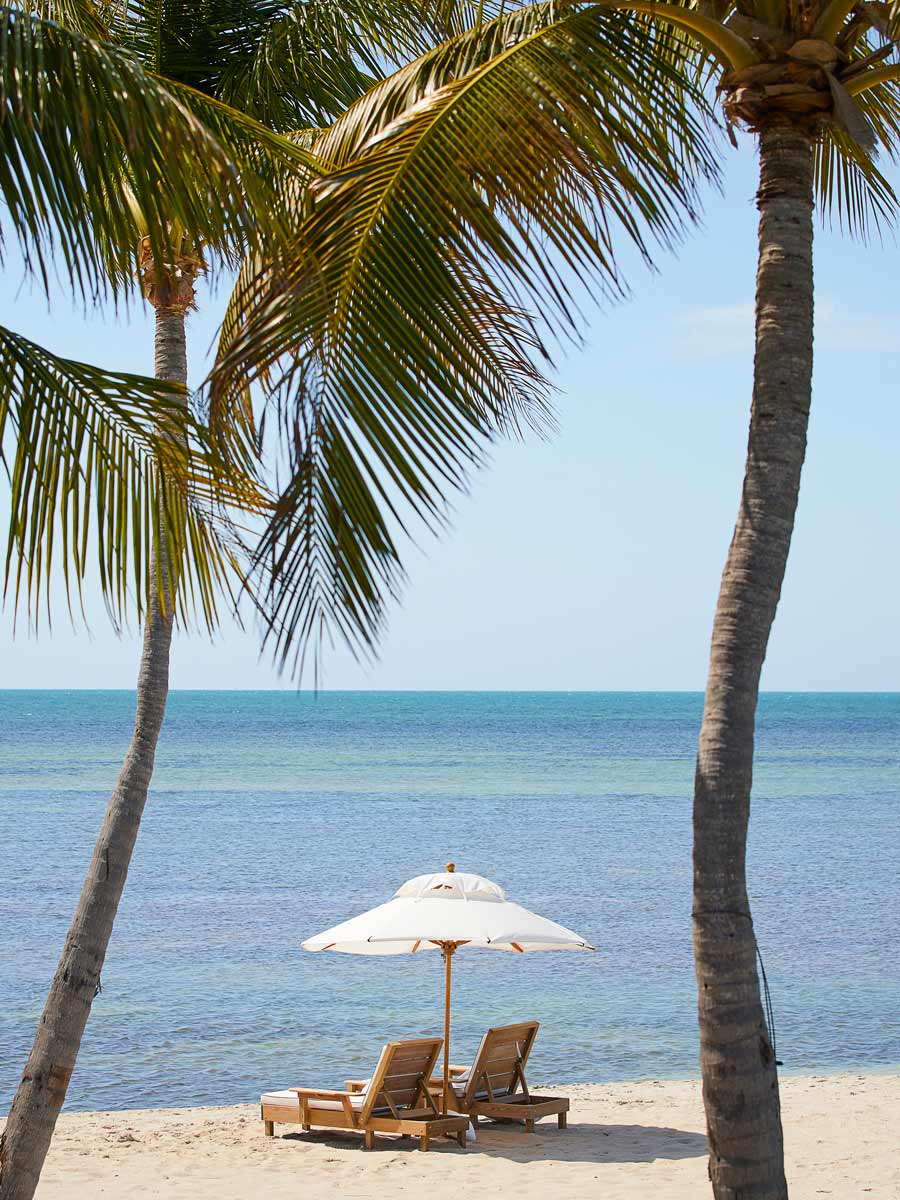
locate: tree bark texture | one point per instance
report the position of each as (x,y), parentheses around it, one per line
(42,1089)
(740,1080)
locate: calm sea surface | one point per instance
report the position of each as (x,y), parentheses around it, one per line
(274,815)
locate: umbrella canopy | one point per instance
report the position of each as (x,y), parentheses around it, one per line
(446,911)
(432,911)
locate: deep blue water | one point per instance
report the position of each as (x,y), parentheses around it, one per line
(274,815)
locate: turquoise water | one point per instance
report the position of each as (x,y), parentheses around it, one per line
(274,815)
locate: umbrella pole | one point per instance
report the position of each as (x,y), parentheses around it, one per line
(448,949)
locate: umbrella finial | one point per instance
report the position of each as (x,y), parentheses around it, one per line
(451,867)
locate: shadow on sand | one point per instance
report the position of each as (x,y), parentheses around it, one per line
(581,1143)
(586,1143)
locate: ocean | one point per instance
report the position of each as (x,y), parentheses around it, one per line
(274,815)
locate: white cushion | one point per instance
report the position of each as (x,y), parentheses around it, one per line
(285,1097)
(461,1091)
(460,1079)
(289,1098)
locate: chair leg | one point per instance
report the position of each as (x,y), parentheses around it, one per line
(474,1121)
(562,1120)
(529,1124)
(461,1138)
(423,1142)
(306,1128)
(269,1128)
(369,1139)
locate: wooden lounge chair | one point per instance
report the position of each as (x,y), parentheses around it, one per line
(395,1100)
(494,1085)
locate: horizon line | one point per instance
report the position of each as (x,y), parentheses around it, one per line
(437,691)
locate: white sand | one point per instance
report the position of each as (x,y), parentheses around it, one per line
(624,1140)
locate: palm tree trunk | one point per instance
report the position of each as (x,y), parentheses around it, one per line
(42,1090)
(740,1080)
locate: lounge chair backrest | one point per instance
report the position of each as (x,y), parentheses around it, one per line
(401,1078)
(499,1066)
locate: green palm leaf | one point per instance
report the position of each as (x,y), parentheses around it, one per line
(99,465)
(95,19)
(79,120)
(284,62)
(852,190)
(467,191)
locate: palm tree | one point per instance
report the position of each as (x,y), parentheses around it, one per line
(89,140)
(479,181)
(288,63)
(89,453)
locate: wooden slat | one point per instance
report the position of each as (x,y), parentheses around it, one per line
(408,1061)
(421,1046)
(504,1049)
(419,1123)
(520,1109)
(402,1079)
(284,1114)
(521,1030)
(331,1118)
(502,1068)
(406,1096)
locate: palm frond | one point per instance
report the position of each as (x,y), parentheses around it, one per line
(852,190)
(79,119)
(359,466)
(305,66)
(100,467)
(286,62)
(94,18)
(469,191)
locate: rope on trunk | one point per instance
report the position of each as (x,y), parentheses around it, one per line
(769,1016)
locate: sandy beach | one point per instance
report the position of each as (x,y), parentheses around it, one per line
(624,1140)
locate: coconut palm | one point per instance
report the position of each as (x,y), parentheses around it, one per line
(481,179)
(288,63)
(90,453)
(89,140)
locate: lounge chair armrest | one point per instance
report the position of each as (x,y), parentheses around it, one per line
(307,1094)
(319,1093)
(356,1085)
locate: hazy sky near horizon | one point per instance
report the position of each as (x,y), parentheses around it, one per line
(591,560)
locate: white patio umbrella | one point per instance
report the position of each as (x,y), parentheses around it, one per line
(444,912)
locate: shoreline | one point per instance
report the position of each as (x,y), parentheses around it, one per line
(625,1140)
(891,1070)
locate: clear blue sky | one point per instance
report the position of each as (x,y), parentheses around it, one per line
(592,561)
